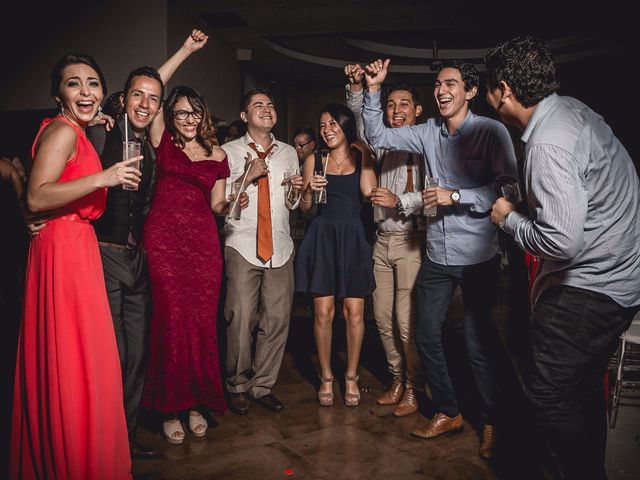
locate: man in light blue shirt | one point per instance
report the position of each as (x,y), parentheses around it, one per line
(584,224)
(470,155)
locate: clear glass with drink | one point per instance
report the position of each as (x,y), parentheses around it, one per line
(131,149)
(290,194)
(234,201)
(511,192)
(320,196)
(430,182)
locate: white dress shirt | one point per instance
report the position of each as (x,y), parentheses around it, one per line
(242,234)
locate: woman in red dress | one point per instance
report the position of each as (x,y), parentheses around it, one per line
(68,415)
(185,265)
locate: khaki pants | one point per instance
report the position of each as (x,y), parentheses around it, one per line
(397,258)
(258,299)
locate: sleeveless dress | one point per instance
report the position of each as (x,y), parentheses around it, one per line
(185,266)
(335,257)
(68,413)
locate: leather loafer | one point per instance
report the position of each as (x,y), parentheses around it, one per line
(142,451)
(488,443)
(393,393)
(440,424)
(270,402)
(239,403)
(408,405)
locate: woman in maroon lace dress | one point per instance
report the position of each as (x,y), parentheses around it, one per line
(185,265)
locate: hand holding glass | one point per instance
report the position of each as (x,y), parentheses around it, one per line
(234,205)
(320,196)
(428,183)
(131,149)
(290,193)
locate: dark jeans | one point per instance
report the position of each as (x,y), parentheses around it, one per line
(574,334)
(434,288)
(126,276)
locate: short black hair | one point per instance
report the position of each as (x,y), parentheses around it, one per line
(112,106)
(74,59)
(468,72)
(345,118)
(246,99)
(306,130)
(144,72)
(399,86)
(525,64)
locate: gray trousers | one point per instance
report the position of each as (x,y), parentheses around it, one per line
(396,262)
(258,300)
(126,277)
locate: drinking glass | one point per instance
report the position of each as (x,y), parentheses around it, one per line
(430,182)
(131,149)
(234,205)
(320,196)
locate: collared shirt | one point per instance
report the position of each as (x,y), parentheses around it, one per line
(583,197)
(242,234)
(474,160)
(393,177)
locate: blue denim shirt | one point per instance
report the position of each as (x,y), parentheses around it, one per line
(474,160)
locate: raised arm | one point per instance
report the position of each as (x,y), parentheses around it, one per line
(354,94)
(194,42)
(56,146)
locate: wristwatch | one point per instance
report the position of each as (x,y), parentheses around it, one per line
(455,197)
(399,206)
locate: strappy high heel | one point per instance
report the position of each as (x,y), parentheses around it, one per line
(351,399)
(326,398)
(173,431)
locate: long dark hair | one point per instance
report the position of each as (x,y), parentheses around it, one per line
(205,132)
(344,117)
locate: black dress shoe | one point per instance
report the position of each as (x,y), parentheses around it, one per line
(239,403)
(270,402)
(143,452)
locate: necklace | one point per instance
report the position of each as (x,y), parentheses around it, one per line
(338,165)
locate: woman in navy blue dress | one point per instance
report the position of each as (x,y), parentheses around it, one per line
(335,258)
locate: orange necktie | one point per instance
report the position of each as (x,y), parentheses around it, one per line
(409,187)
(265,241)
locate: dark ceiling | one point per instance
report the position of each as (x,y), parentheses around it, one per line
(297,42)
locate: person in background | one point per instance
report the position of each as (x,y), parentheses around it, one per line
(258,257)
(470,155)
(583,195)
(334,260)
(68,414)
(304,141)
(397,253)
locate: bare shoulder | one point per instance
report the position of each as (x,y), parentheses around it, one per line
(57,136)
(218,154)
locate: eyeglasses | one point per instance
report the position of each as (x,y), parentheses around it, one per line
(299,146)
(184,114)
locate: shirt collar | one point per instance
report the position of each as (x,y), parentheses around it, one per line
(247,140)
(540,111)
(461,129)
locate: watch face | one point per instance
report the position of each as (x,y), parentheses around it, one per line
(455,196)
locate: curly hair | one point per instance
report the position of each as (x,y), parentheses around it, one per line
(205,132)
(525,64)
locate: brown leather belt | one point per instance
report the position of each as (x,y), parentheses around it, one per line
(114,245)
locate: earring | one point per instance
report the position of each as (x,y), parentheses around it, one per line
(61,109)
(100,114)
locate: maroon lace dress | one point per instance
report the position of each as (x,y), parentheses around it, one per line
(185,266)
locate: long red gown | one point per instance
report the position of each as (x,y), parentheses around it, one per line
(68,414)
(185,267)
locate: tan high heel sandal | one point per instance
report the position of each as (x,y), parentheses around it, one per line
(326,398)
(351,399)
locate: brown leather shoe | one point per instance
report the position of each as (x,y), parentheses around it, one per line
(239,403)
(488,443)
(393,393)
(408,404)
(439,425)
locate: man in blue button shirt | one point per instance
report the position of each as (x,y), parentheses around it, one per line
(584,224)
(470,155)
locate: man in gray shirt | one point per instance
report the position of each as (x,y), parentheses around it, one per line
(584,223)
(470,155)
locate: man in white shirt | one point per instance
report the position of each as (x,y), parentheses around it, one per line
(259,256)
